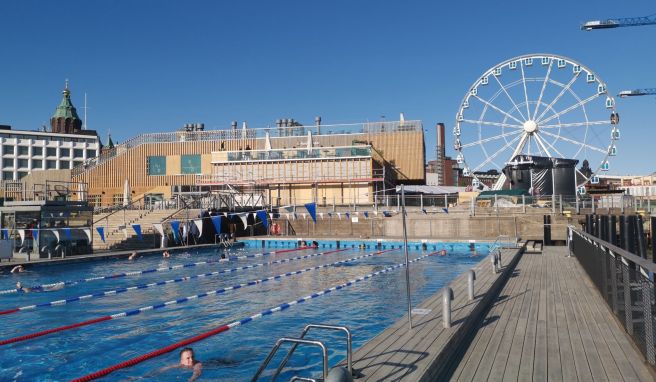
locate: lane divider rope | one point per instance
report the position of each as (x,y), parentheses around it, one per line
(114,292)
(134,312)
(226,327)
(162,269)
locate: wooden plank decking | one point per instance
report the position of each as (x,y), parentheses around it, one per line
(550,323)
(403,354)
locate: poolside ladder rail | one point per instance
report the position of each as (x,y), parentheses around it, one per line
(300,340)
(296,342)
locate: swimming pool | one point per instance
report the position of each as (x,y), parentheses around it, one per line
(366,307)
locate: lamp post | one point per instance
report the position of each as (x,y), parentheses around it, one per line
(407,263)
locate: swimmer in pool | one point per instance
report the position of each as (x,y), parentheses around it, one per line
(18,269)
(166,254)
(50,288)
(187,361)
(442,252)
(133,256)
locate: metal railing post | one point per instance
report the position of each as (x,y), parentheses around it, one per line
(470,284)
(560,202)
(648,319)
(493,259)
(524,203)
(628,307)
(447,296)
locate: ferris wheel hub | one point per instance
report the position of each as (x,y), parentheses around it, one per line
(530,126)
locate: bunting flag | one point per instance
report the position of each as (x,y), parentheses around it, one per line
(225,214)
(124,229)
(375,213)
(199,225)
(321,215)
(366,214)
(87,232)
(356,213)
(67,232)
(216,220)
(271,215)
(330,215)
(56,233)
(21,233)
(423,210)
(35,235)
(244,220)
(175,226)
(5,234)
(137,230)
(304,216)
(263,216)
(387,214)
(287,216)
(348,215)
(159,228)
(339,215)
(312,210)
(289,208)
(101,233)
(185,230)
(446,210)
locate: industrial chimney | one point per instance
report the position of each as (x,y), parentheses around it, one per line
(440,153)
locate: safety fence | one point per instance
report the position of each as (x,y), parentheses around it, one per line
(625,281)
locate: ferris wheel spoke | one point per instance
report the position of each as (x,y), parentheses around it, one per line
(575,142)
(510,98)
(490,139)
(575,106)
(582,174)
(544,85)
(562,91)
(575,124)
(497,109)
(481,122)
(539,141)
(528,111)
(550,145)
(496,154)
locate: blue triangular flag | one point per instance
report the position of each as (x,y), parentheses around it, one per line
(175,226)
(263,216)
(446,210)
(312,210)
(101,232)
(137,229)
(424,211)
(348,215)
(67,232)
(5,234)
(35,235)
(366,214)
(216,220)
(387,214)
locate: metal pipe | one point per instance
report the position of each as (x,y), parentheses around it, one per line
(297,341)
(494,264)
(447,296)
(470,283)
(407,262)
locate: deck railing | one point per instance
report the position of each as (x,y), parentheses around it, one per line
(625,281)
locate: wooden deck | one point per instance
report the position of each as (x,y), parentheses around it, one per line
(550,323)
(400,353)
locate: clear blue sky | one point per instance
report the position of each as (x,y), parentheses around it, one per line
(151,66)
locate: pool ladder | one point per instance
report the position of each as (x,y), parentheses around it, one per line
(302,341)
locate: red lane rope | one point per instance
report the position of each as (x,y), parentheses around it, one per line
(9,311)
(54,330)
(156,353)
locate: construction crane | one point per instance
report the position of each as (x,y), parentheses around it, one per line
(636,92)
(616,23)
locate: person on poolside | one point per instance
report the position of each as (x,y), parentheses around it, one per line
(18,269)
(166,254)
(132,256)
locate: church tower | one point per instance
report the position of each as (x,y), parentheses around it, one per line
(65,119)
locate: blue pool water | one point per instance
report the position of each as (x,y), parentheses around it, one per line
(366,308)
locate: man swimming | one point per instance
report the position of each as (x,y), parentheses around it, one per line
(48,288)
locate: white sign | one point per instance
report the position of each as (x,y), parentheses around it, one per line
(354,219)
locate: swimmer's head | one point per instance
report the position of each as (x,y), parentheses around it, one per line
(187,357)
(19,285)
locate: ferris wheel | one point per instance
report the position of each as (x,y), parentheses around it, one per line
(537,105)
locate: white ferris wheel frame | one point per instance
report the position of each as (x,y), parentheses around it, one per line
(525,132)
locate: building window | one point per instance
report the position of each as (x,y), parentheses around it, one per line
(37,164)
(7,162)
(190,164)
(21,174)
(117,199)
(8,149)
(37,151)
(51,164)
(91,154)
(64,153)
(94,200)
(7,175)
(23,150)
(23,163)
(78,153)
(156,165)
(51,151)
(64,164)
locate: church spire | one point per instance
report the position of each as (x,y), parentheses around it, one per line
(65,119)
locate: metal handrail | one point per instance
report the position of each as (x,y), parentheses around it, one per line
(295,341)
(349,346)
(628,256)
(497,244)
(120,208)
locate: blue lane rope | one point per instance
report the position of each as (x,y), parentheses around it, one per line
(160,283)
(138,273)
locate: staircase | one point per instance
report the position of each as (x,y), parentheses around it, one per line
(117,238)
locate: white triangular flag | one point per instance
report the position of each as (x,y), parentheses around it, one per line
(287,216)
(376,213)
(357,213)
(339,215)
(56,233)
(321,215)
(199,224)
(87,231)
(21,233)
(271,216)
(125,232)
(159,228)
(304,215)
(244,218)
